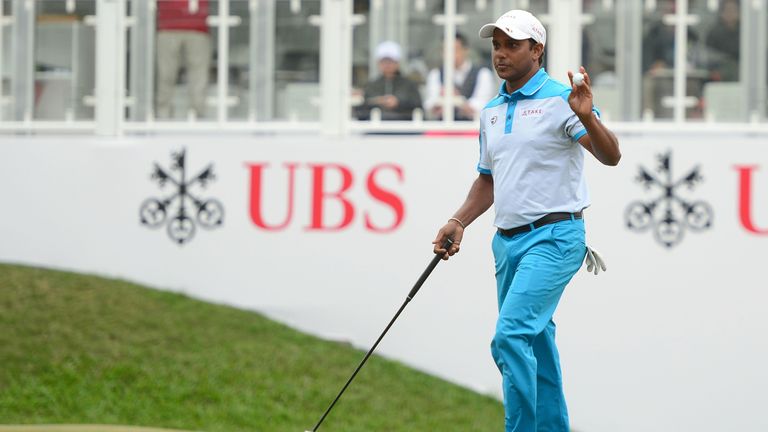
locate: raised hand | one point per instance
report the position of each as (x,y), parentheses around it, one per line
(580,98)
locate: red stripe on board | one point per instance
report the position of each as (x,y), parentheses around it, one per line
(440,133)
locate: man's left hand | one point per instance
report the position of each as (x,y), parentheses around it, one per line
(580,98)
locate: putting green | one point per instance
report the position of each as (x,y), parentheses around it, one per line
(80,428)
(78,351)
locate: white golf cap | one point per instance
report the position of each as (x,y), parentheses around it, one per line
(519,25)
(388,49)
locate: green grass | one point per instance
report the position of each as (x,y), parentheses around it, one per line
(80,349)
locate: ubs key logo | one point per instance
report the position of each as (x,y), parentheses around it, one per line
(668,215)
(182,204)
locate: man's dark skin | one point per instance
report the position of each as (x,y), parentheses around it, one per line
(516,62)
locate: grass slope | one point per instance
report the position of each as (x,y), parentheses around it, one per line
(83,349)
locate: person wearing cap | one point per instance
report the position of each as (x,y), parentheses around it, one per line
(395,95)
(473,85)
(533,138)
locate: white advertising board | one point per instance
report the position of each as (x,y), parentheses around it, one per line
(328,236)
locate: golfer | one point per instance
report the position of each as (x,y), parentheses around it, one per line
(532,141)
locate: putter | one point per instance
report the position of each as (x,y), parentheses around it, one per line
(411,295)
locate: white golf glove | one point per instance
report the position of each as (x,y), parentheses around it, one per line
(594,261)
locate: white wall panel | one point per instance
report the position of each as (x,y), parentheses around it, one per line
(669,339)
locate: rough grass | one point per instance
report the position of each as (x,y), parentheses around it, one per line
(77,349)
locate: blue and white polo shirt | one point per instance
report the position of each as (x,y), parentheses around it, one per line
(529,144)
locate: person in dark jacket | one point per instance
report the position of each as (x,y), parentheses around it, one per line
(724,42)
(395,95)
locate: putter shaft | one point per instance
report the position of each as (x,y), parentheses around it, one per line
(411,295)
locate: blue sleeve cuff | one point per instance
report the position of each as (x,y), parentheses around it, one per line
(483,170)
(579,134)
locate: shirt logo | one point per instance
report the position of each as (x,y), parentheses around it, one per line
(493,120)
(531,112)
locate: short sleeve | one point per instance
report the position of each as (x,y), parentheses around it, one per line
(484,164)
(573,126)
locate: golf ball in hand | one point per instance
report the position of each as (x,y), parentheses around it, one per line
(578,78)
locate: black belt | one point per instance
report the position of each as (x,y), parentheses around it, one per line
(546,220)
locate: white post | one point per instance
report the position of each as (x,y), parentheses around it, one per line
(262,64)
(450,19)
(629,18)
(23,50)
(110,70)
(449,58)
(752,68)
(563,50)
(222,66)
(2,30)
(335,61)
(681,64)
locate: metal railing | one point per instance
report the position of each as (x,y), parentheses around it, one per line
(123,95)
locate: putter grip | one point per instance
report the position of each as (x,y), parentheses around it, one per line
(446,244)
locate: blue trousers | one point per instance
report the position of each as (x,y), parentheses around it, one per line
(532,270)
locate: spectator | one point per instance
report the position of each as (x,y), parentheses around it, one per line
(474,85)
(182,34)
(659,60)
(723,42)
(395,95)
(659,41)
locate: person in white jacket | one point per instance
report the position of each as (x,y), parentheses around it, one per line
(473,86)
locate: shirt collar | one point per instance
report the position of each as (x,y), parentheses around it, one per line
(529,88)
